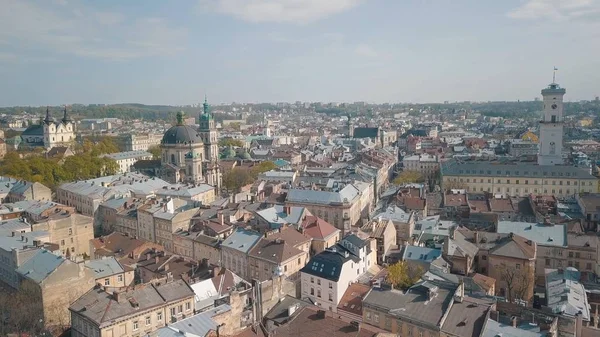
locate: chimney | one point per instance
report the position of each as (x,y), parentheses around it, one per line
(221,217)
(148,256)
(460,292)
(287,210)
(216,270)
(156,258)
(452,230)
(119,297)
(513,321)
(476,237)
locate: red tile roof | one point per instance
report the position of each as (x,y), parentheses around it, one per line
(317,228)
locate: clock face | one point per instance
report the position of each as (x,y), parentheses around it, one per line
(554,106)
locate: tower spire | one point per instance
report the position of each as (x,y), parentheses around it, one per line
(205,105)
(48,118)
(66,119)
(554,75)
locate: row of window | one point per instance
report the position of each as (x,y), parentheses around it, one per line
(312,280)
(526,190)
(399,324)
(526,182)
(588,265)
(119,279)
(516,173)
(312,292)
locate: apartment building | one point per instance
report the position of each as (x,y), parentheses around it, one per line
(504,256)
(234,251)
(384,234)
(71,232)
(136,312)
(109,273)
(402,220)
(280,252)
(54,282)
(141,142)
(323,234)
(342,209)
(23,190)
(518,178)
(87,195)
(327,275)
(425,164)
(125,160)
(427,309)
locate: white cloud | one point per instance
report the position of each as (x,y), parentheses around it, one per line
(366,51)
(284,11)
(84,31)
(558,10)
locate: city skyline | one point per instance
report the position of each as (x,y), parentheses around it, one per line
(302,50)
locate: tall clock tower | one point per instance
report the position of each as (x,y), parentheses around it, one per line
(551,126)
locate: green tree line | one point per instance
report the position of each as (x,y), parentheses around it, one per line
(87,163)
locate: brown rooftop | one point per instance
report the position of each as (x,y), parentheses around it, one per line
(352,299)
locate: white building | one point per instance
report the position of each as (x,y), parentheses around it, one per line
(551,126)
(519,147)
(141,142)
(125,160)
(426,164)
(328,274)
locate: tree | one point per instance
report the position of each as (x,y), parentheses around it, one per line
(264,166)
(454,185)
(236,179)
(408,177)
(403,275)
(231,142)
(156,152)
(519,282)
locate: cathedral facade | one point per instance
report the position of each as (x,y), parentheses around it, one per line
(50,133)
(190,155)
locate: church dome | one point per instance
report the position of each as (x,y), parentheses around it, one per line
(181,133)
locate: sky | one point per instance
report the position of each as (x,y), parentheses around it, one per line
(56,52)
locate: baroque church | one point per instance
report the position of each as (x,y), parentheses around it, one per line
(50,133)
(190,155)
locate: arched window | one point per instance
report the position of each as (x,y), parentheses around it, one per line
(172,158)
(552,148)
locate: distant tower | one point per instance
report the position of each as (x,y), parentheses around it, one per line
(551,125)
(210,137)
(350,127)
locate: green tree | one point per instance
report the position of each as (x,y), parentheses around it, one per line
(408,177)
(156,152)
(235,179)
(225,142)
(264,166)
(403,275)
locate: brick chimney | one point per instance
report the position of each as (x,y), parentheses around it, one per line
(513,321)
(221,217)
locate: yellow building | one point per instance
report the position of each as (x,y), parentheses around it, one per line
(530,137)
(518,178)
(136,312)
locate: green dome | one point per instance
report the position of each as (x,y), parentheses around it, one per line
(245,155)
(229,152)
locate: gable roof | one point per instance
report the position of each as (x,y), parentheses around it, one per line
(318,228)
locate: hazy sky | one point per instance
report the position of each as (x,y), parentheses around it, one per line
(172,52)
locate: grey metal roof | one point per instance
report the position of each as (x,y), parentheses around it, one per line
(546,235)
(198,325)
(242,240)
(34,130)
(39,266)
(514,169)
(182,134)
(104,267)
(565,294)
(276,215)
(347,194)
(128,155)
(420,254)
(414,304)
(495,329)
(102,308)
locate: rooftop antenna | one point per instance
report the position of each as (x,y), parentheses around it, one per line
(554,75)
